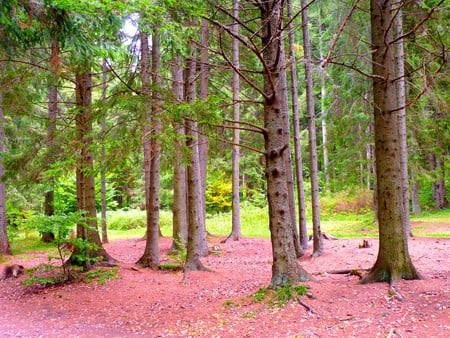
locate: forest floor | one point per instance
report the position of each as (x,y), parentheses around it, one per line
(220,303)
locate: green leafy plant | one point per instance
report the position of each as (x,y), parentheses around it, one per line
(101,275)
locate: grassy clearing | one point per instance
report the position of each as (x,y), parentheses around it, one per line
(255,223)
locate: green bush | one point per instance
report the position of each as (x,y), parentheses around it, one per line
(125,220)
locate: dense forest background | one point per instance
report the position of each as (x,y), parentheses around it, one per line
(92,90)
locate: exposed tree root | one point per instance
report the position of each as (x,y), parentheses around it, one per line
(350,272)
(306,306)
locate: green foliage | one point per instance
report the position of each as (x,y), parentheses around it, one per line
(218,193)
(137,219)
(101,275)
(45,275)
(358,201)
(279,296)
(126,219)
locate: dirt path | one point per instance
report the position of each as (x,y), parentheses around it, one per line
(217,304)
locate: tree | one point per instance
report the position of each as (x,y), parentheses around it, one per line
(179,209)
(314,170)
(152,148)
(236,200)
(196,246)
(393,261)
(87,231)
(5,248)
(303,232)
(285,267)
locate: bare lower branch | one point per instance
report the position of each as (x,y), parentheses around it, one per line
(338,34)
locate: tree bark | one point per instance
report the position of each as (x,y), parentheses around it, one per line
(49,208)
(399,60)
(235,156)
(179,210)
(5,248)
(317,233)
(393,260)
(203,95)
(285,268)
(197,246)
(152,153)
(303,232)
(85,171)
(103,154)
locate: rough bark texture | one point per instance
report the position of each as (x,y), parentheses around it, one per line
(179,210)
(85,170)
(285,267)
(5,248)
(203,143)
(49,209)
(314,170)
(235,156)
(393,261)
(152,151)
(103,154)
(197,245)
(399,60)
(303,232)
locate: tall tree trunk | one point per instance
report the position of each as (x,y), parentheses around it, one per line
(399,60)
(285,267)
(85,171)
(415,195)
(323,113)
(303,232)
(5,248)
(150,258)
(393,261)
(103,154)
(317,233)
(179,210)
(438,168)
(55,63)
(235,156)
(197,245)
(203,95)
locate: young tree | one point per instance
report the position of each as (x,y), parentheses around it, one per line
(393,261)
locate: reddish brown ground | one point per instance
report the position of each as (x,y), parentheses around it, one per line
(217,304)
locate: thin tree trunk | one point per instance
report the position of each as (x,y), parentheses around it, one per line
(203,95)
(236,201)
(399,59)
(5,248)
(179,210)
(303,232)
(49,208)
(103,170)
(323,114)
(317,233)
(415,195)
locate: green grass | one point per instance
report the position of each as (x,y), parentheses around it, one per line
(254,222)
(433,216)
